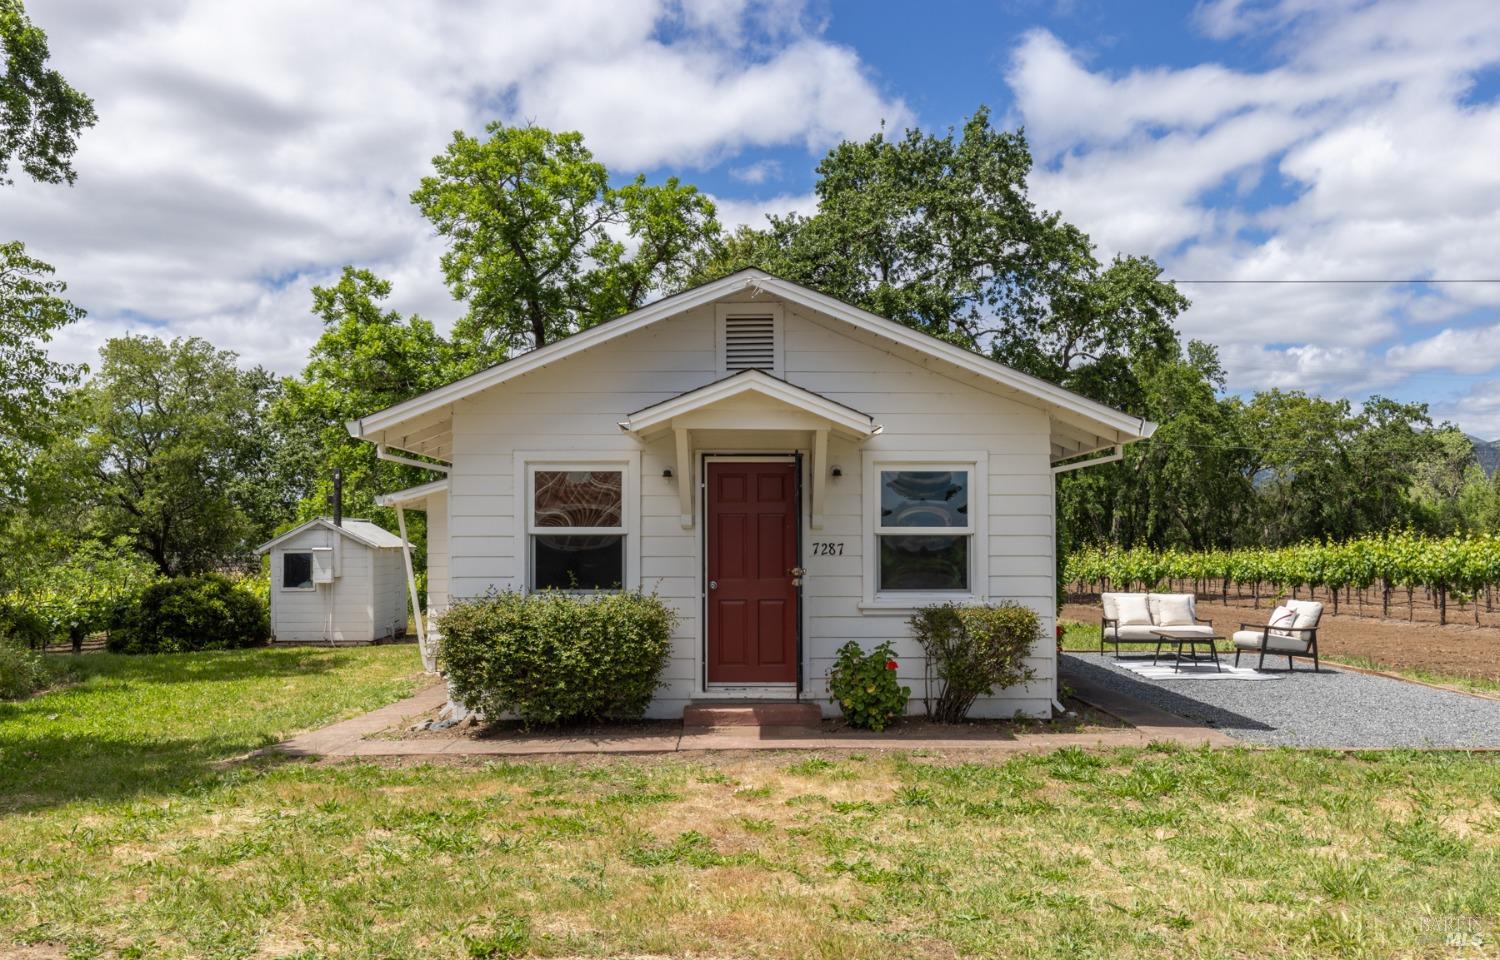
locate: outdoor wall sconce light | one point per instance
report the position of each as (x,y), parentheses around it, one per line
(838,472)
(667,473)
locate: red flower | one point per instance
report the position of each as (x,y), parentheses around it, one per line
(1060,631)
(890,664)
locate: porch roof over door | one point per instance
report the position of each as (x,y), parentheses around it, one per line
(752,401)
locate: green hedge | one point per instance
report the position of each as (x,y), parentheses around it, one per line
(207,612)
(552,657)
(22,671)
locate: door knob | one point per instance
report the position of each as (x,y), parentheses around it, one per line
(796,572)
(713,584)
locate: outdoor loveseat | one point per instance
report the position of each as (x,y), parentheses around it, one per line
(1291,632)
(1132,617)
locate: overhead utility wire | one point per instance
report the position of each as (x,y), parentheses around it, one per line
(1336,280)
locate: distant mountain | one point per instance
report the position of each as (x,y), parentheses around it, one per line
(1487,452)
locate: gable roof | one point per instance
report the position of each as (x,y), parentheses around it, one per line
(1096,426)
(758,383)
(360,531)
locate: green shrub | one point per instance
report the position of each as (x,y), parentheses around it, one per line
(865,687)
(972,650)
(22,627)
(22,671)
(552,657)
(207,612)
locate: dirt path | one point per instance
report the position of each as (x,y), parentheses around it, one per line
(1458,650)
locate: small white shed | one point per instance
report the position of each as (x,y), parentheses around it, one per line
(337,583)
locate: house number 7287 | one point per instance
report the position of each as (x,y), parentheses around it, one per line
(824,548)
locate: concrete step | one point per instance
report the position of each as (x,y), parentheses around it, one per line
(779,713)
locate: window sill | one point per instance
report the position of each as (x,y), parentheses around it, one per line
(911,604)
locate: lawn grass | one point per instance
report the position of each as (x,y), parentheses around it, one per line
(156,724)
(123,838)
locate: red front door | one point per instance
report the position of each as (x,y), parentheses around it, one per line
(752,550)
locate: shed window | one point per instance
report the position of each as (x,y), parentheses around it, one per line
(296,570)
(924,531)
(577,530)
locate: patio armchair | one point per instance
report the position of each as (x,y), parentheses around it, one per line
(1292,631)
(1131,617)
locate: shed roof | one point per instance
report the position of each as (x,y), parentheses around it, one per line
(360,531)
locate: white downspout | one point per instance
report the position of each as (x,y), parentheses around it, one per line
(429,656)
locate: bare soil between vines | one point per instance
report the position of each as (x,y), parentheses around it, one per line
(1457,649)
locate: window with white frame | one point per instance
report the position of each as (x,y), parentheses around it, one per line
(576,527)
(924,529)
(296,570)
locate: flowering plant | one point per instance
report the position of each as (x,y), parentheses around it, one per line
(865,686)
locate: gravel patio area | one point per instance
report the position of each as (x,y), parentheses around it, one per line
(1333,708)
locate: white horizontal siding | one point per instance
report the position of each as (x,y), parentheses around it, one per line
(574,407)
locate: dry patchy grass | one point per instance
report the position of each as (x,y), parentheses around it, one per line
(1131,853)
(1122,854)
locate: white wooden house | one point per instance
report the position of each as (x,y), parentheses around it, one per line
(337,583)
(787,471)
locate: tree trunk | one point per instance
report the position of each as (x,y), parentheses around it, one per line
(75,636)
(1442,593)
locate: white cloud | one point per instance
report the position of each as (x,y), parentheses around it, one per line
(734,213)
(758,172)
(1477,410)
(1355,155)
(245,151)
(1473,351)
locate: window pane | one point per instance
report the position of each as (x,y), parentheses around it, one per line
(577,562)
(924,563)
(924,498)
(296,570)
(578,498)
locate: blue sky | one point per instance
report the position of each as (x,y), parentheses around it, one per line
(245,154)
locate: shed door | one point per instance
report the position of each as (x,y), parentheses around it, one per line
(752,551)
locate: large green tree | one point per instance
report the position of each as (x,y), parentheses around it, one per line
(32,309)
(156,447)
(939,233)
(541,244)
(41,115)
(366,359)
(1189,485)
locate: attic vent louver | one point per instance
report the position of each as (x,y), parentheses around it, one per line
(749,343)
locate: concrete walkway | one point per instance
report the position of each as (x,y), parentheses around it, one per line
(358,737)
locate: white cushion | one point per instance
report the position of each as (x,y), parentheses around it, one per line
(1133,609)
(1283,617)
(1172,609)
(1277,642)
(1138,632)
(1308,612)
(1146,632)
(1111,609)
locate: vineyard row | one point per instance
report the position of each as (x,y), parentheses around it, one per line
(1465,570)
